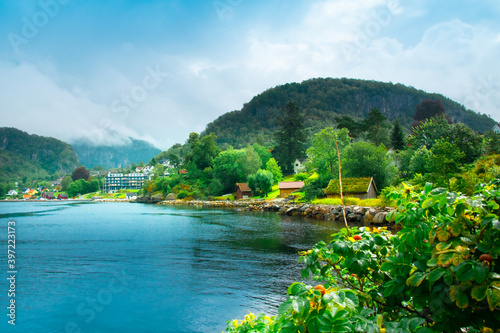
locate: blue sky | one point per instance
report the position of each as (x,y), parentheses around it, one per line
(158,70)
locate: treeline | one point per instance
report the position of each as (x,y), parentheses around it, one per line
(436,150)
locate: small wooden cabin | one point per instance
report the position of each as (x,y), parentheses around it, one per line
(363,188)
(287,188)
(62,196)
(243,191)
(48,195)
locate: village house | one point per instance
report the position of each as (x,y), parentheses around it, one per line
(299,165)
(287,188)
(12,193)
(496,128)
(62,196)
(363,188)
(48,195)
(243,191)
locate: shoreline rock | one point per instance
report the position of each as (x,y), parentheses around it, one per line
(354,214)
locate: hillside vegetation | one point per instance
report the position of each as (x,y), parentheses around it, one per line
(323,99)
(32,156)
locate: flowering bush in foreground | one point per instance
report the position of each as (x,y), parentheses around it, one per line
(439,273)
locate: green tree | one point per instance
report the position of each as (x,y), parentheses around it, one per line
(364,159)
(397,136)
(273,167)
(80,186)
(95,185)
(290,136)
(470,143)
(65,182)
(376,126)
(261,182)
(250,161)
(158,170)
(206,151)
(175,161)
(354,127)
(420,160)
(227,169)
(263,153)
(3,190)
(323,152)
(492,143)
(444,161)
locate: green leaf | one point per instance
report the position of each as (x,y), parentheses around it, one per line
(442,246)
(448,278)
(427,188)
(427,203)
(480,273)
(432,262)
(389,288)
(462,301)
(464,272)
(415,322)
(479,292)
(437,191)
(493,295)
(435,275)
(295,288)
(416,279)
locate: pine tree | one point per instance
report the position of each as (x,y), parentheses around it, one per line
(397,136)
(290,136)
(376,126)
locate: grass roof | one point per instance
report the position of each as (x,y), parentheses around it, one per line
(349,185)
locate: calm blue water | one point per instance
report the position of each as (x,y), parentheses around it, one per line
(121,267)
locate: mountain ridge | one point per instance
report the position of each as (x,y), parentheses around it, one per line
(323,99)
(33,156)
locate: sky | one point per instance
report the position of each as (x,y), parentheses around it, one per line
(159,69)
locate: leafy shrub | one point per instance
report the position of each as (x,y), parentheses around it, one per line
(300,176)
(440,273)
(181,195)
(352,201)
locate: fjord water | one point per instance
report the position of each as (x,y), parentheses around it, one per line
(121,267)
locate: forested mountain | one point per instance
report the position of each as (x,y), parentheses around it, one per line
(323,99)
(32,156)
(114,156)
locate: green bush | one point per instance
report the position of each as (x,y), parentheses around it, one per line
(182,194)
(440,273)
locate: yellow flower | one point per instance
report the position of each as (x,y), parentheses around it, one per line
(235,323)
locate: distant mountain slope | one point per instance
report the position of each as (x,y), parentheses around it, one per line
(115,156)
(322,99)
(33,156)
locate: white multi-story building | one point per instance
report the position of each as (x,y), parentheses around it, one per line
(119,181)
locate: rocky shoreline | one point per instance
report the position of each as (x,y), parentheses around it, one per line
(354,214)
